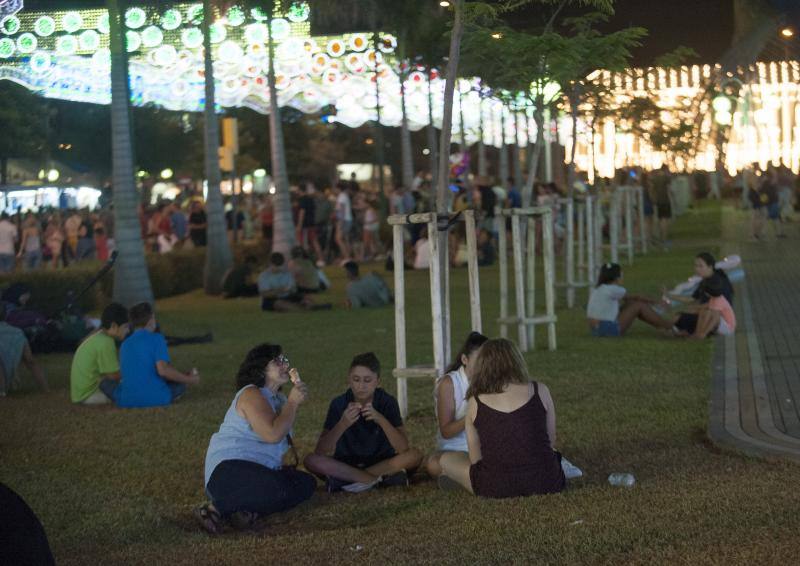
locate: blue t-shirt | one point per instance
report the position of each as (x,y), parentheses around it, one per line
(141,386)
(179,224)
(515,198)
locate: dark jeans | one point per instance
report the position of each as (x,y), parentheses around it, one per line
(108,386)
(239,485)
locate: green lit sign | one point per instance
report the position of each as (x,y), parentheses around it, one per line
(27,43)
(195,14)
(45,26)
(133,41)
(152,36)
(102,24)
(235,16)
(135,18)
(6,47)
(72,22)
(66,45)
(10,25)
(192,38)
(89,40)
(171,20)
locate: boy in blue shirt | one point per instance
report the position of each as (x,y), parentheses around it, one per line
(363,443)
(148,378)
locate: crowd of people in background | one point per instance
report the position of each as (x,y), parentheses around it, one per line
(344,223)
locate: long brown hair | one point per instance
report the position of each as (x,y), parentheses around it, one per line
(499,363)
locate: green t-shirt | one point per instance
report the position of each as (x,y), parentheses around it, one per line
(96,356)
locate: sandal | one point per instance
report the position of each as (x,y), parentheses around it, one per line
(209,519)
(247,521)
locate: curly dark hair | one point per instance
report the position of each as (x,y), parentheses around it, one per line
(252,370)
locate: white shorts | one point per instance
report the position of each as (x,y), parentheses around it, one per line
(96,398)
(723,329)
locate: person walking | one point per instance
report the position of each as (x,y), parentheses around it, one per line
(30,249)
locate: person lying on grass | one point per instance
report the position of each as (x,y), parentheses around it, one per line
(685,323)
(95,360)
(611,310)
(244,473)
(363,443)
(450,402)
(148,378)
(511,430)
(716,316)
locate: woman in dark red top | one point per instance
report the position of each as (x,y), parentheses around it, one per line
(511,430)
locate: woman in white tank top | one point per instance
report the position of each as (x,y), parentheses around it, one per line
(449,398)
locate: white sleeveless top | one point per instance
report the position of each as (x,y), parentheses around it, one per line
(460,381)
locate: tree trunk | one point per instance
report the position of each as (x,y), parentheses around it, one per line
(131,279)
(517,149)
(483,170)
(405,141)
(3,170)
(433,144)
(535,156)
(283,224)
(447,116)
(502,170)
(380,146)
(572,171)
(218,251)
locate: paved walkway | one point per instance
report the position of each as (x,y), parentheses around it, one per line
(755,405)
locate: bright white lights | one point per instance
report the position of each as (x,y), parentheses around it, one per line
(260,173)
(53,175)
(167,173)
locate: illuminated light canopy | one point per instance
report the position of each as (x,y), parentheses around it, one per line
(195,14)
(165,56)
(133,41)
(89,40)
(66,45)
(27,43)
(358,42)
(256,33)
(722,104)
(549,91)
(10,25)
(103,25)
(72,22)
(7,47)
(230,52)
(259,14)
(280,29)
(44,26)
(152,36)
(235,16)
(171,20)
(192,38)
(41,62)
(218,33)
(335,48)
(135,18)
(299,12)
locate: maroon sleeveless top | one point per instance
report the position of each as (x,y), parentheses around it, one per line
(516,457)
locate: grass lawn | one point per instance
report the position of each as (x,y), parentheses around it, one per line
(118,486)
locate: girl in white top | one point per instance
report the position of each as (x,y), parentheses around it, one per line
(611,310)
(449,397)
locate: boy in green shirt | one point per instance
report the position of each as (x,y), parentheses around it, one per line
(96,358)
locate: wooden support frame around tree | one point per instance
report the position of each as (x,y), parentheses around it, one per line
(440,308)
(579,248)
(525,294)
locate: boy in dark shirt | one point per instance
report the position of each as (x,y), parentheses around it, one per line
(363,443)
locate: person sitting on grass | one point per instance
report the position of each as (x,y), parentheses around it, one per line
(14,349)
(363,443)
(278,289)
(367,291)
(148,377)
(705,267)
(244,473)
(450,403)
(611,310)
(511,431)
(305,273)
(237,280)
(95,360)
(717,314)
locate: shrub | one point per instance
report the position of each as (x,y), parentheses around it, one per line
(50,289)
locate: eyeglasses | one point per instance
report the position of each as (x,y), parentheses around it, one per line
(282,360)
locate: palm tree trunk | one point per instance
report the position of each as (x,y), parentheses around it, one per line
(572,172)
(405,141)
(218,252)
(380,146)
(131,279)
(283,224)
(515,153)
(433,144)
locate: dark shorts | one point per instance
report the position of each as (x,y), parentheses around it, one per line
(269,304)
(648,209)
(363,462)
(607,329)
(774,211)
(664,211)
(687,322)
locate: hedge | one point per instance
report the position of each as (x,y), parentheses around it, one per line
(171,274)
